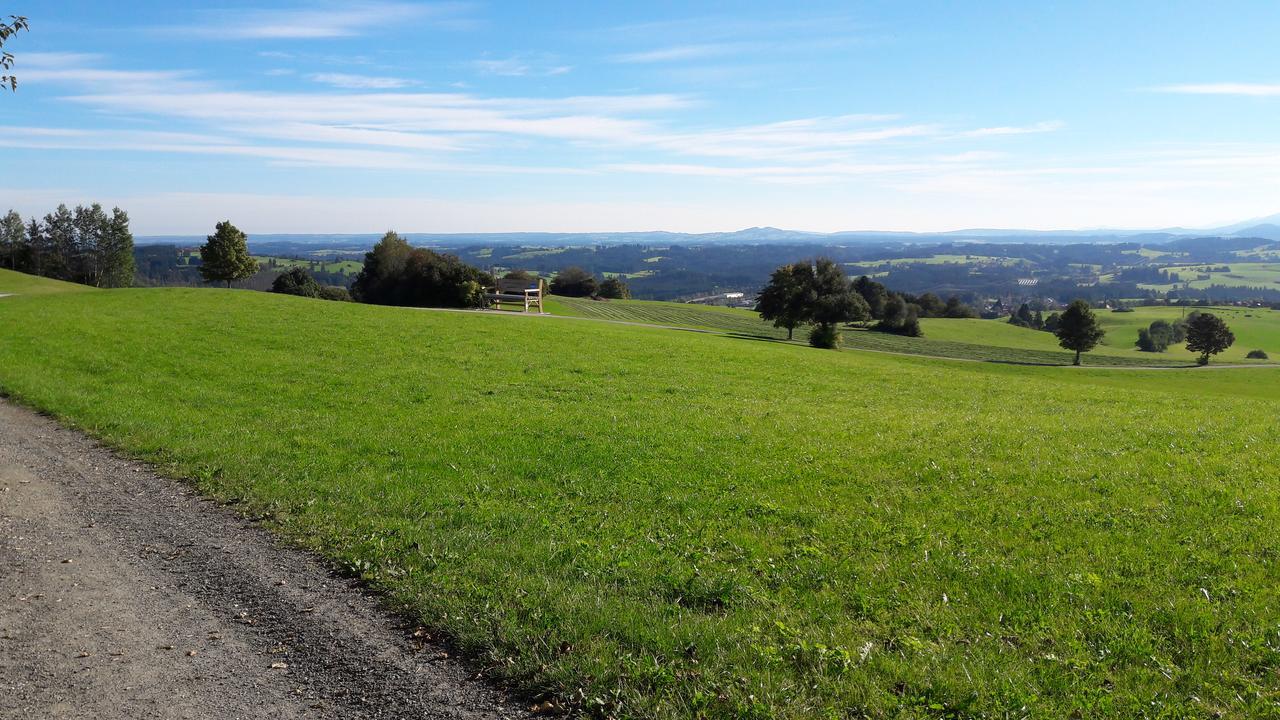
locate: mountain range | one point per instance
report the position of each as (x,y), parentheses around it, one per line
(1267,228)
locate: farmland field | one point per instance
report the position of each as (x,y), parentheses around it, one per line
(668,524)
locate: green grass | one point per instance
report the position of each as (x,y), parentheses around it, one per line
(350,267)
(1241,274)
(16,283)
(1254,328)
(671,524)
(982,340)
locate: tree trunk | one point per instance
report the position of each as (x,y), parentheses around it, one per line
(228,284)
(789,331)
(1077,362)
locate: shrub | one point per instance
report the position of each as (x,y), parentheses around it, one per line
(334,292)
(825,335)
(395,273)
(615,289)
(573,281)
(1257,355)
(296,281)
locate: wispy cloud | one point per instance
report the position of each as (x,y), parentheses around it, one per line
(679,52)
(324,20)
(520,66)
(1226,88)
(360,82)
(382,123)
(1040,127)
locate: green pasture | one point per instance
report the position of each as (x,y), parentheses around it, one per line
(984,340)
(652,523)
(16,283)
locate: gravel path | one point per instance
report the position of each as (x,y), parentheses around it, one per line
(126,595)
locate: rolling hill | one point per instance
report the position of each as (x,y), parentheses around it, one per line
(654,523)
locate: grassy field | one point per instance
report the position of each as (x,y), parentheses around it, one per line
(985,340)
(652,523)
(348,266)
(1241,274)
(1254,328)
(17,283)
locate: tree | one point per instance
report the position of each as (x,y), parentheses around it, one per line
(296,281)
(59,243)
(875,294)
(900,318)
(380,279)
(786,300)
(225,255)
(930,305)
(573,281)
(957,309)
(1155,338)
(1023,317)
(1078,329)
(1208,335)
(833,302)
(115,251)
(1051,323)
(615,288)
(13,239)
(396,273)
(8,30)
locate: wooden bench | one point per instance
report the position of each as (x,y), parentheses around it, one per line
(528,292)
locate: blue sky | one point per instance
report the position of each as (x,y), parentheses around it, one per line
(488,116)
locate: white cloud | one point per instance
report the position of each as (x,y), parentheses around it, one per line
(325,20)
(679,52)
(520,66)
(1040,127)
(1229,88)
(360,82)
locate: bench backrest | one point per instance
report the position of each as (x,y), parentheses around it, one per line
(506,285)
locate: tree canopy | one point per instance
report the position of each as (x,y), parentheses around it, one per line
(614,288)
(396,273)
(8,30)
(1208,335)
(786,300)
(224,257)
(816,292)
(296,281)
(1078,329)
(573,281)
(84,245)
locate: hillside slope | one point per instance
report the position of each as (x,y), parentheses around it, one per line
(668,524)
(16,283)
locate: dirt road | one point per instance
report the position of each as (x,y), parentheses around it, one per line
(125,595)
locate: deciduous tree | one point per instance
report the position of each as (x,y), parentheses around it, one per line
(787,300)
(1208,335)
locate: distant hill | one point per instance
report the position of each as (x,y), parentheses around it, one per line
(1264,227)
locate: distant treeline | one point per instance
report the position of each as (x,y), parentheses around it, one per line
(85,245)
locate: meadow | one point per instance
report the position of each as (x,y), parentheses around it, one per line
(982,340)
(653,523)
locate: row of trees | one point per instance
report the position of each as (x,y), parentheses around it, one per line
(396,273)
(298,281)
(1078,329)
(85,245)
(1203,332)
(817,292)
(573,281)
